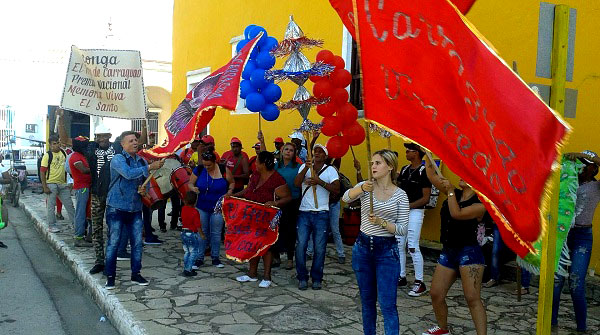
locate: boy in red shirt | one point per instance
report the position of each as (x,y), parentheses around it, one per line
(190,233)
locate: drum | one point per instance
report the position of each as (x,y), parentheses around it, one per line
(163,175)
(154,197)
(180,178)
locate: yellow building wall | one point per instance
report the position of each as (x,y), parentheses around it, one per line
(202,30)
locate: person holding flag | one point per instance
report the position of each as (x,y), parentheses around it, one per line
(267,187)
(375,254)
(461,213)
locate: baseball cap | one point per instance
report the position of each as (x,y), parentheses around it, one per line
(208,139)
(235,140)
(102,129)
(278,140)
(257,145)
(299,136)
(318,145)
(414,146)
(589,153)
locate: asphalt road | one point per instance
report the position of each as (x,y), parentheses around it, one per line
(38,293)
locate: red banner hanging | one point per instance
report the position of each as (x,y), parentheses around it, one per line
(250,228)
(430,76)
(219,89)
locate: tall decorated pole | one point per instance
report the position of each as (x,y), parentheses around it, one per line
(297,68)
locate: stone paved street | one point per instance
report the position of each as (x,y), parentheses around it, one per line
(214,303)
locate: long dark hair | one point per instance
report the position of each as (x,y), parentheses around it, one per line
(267,158)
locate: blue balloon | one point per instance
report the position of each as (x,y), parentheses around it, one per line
(270,44)
(271,92)
(240,45)
(270,112)
(254,31)
(246,88)
(248,69)
(257,78)
(264,60)
(254,53)
(255,102)
(247,31)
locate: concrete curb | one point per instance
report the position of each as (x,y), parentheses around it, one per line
(122,319)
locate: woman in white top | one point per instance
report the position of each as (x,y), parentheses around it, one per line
(375,258)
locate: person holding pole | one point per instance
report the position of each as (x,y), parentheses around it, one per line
(124,206)
(313,218)
(580,239)
(461,253)
(375,253)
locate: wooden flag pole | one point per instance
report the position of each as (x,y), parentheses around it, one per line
(437,168)
(389,143)
(312,166)
(368,140)
(557,102)
(151,174)
(352,151)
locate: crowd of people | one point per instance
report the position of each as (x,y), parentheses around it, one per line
(109,182)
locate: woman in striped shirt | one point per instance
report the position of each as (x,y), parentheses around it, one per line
(375,257)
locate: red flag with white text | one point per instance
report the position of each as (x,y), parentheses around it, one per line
(429,76)
(219,89)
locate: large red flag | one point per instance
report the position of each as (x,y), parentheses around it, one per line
(428,75)
(219,89)
(346,13)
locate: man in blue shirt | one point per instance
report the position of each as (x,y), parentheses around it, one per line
(124,206)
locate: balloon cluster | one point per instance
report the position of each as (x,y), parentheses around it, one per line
(339,116)
(259,92)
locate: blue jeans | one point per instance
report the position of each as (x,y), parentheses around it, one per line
(496,251)
(190,247)
(525,278)
(579,242)
(212,226)
(334,228)
(455,257)
(81,198)
(120,222)
(311,224)
(376,263)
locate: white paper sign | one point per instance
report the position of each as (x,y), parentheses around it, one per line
(105,83)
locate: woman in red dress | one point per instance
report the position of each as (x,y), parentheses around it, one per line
(267,187)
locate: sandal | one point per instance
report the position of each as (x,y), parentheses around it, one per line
(524,290)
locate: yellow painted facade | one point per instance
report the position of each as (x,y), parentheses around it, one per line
(203,29)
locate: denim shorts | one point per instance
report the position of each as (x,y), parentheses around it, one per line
(453,258)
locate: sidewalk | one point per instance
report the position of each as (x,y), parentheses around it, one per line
(215,303)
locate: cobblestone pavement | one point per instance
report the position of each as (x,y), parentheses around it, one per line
(215,303)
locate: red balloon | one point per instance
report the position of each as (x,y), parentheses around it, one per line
(347,114)
(326,56)
(337,147)
(314,79)
(322,89)
(326,109)
(341,78)
(338,62)
(339,96)
(331,126)
(354,134)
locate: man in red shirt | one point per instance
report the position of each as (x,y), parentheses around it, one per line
(187,153)
(252,160)
(237,161)
(82,180)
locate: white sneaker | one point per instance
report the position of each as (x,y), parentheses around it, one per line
(245,278)
(264,283)
(53,229)
(194,267)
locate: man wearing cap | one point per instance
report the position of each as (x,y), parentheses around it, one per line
(278,145)
(207,143)
(580,238)
(313,220)
(187,153)
(252,160)
(413,180)
(237,161)
(54,182)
